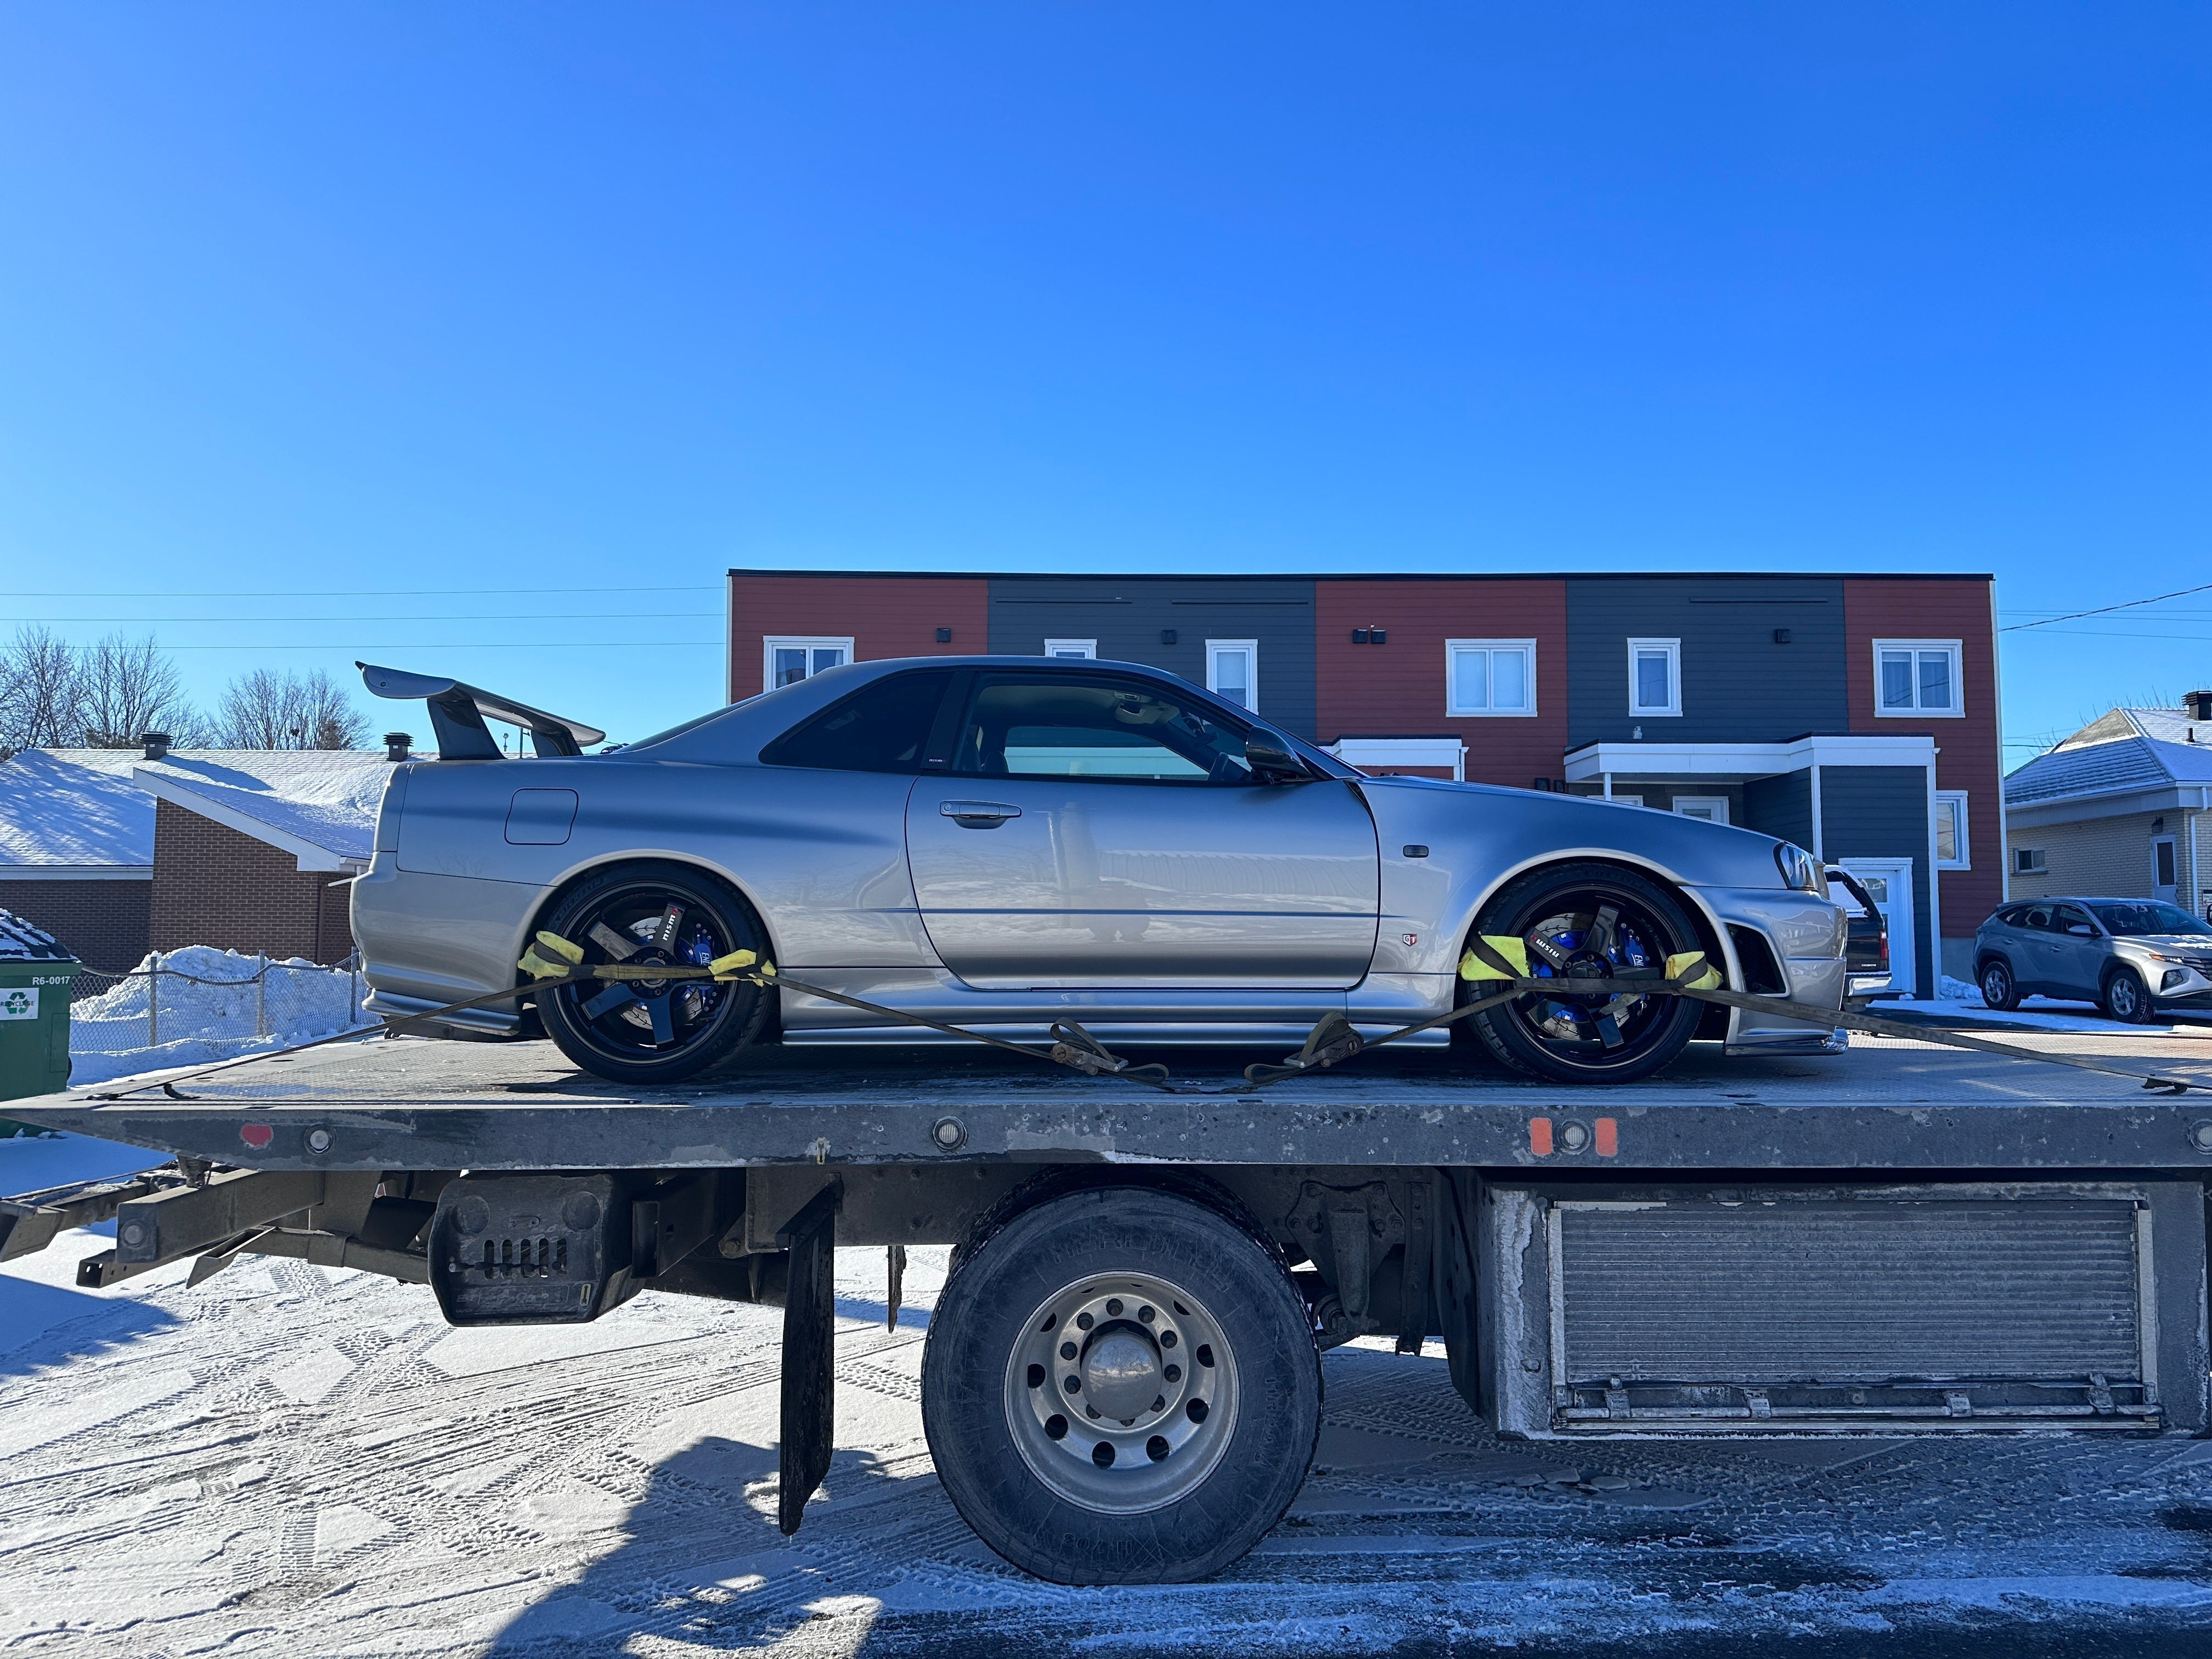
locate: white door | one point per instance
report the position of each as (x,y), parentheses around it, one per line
(1888,882)
(2165,878)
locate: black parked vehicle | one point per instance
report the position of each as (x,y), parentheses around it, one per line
(1866,940)
(2135,958)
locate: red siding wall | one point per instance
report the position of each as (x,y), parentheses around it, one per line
(1397,689)
(1969,755)
(885,617)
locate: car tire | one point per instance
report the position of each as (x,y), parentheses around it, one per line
(1213,1329)
(2000,990)
(2125,998)
(611,1044)
(1528,1034)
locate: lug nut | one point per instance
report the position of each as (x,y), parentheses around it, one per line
(1075,1385)
(1174,1373)
(1114,1308)
(1067,1351)
(1092,1410)
(1082,1322)
(1167,1338)
(1159,1402)
(1146,1314)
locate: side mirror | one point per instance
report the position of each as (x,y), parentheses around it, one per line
(1271,763)
(2082,930)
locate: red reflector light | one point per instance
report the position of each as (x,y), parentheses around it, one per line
(1540,1136)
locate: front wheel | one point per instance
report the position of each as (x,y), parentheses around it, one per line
(1588,921)
(653,1030)
(1121,1386)
(2126,1000)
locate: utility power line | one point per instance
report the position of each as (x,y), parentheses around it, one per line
(2128,604)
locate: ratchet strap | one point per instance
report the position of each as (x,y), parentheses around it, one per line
(1498,963)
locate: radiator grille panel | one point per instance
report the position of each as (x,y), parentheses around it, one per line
(1770,1294)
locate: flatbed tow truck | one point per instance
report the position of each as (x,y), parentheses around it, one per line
(1122,1380)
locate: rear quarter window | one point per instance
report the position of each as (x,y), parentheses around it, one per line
(883,727)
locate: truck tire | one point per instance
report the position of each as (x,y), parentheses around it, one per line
(1566,1039)
(659,1032)
(1120,1387)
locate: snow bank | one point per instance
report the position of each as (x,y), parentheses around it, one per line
(211,1004)
(1958,991)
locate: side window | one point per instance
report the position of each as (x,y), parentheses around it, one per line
(1063,726)
(2037,915)
(2071,916)
(883,727)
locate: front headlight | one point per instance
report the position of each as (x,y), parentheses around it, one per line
(1800,870)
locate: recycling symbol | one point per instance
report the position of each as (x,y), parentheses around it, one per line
(16,1005)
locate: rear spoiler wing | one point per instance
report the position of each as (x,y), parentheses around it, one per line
(459,711)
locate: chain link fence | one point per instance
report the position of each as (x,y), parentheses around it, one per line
(202,999)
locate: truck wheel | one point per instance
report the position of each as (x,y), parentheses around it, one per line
(1121,1386)
(1588,922)
(653,1031)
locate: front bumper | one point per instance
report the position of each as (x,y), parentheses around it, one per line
(1806,933)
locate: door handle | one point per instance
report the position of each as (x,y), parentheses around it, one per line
(977,814)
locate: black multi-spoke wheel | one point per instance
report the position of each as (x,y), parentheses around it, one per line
(653,1030)
(1589,921)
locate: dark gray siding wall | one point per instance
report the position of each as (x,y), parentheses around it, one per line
(1881,812)
(1127,616)
(1780,806)
(1738,685)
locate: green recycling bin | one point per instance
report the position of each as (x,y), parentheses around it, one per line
(35,975)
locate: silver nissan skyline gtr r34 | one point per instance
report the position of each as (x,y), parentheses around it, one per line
(1004,843)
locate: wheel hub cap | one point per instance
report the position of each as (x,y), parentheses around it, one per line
(1120,1372)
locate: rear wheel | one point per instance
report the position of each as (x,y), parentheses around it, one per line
(1588,921)
(644,1030)
(2126,1000)
(1121,1386)
(1999,989)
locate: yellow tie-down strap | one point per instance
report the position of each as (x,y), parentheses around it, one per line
(551,956)
(1504,957)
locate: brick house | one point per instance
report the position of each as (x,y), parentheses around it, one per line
(119,852)
(1856,715)
(2120,808)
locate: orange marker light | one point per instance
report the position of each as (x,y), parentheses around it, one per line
(1540,1136)
(1609,1137)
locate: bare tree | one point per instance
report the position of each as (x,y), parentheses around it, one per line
(128,688)
(265,709)
(41,691)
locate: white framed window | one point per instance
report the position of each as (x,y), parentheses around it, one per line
(1490,678)
(1071,647)
(1713,808)
(1655,677)
(1952,851)
(788,658)
(1232,670)
(1915,678)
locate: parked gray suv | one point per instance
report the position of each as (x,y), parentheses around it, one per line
(2134,957)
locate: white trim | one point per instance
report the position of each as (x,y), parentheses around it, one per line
(1718,804)
(1935,898)
(1214,648)
(1957,651)
(1896,874)
(810,644)
(1071,648)
(2108,804)
(77,873)
(1996,699)
(1663,762)
(1674,703)
(1819,834)
(306,854)
(1965,858)
(1364,752)
(1454,710)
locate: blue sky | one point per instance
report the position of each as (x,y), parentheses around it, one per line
(482,338)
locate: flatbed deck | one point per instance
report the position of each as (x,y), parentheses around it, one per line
(1884,1105)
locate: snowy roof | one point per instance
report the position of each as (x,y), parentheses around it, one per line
(2126,750)
(91,811)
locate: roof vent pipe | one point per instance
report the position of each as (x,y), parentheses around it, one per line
(155,745)
(396,745)
(2200,705)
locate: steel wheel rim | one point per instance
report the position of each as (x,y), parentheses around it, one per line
(1574,1027)
(628,1021)
(1162,1452)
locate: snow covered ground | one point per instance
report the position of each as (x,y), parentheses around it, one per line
(298,1460)
(213,1004)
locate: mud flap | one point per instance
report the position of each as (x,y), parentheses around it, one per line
(810,1322)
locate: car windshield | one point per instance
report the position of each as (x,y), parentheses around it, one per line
(2149,919)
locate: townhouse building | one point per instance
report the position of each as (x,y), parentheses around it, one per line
(1856,715)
